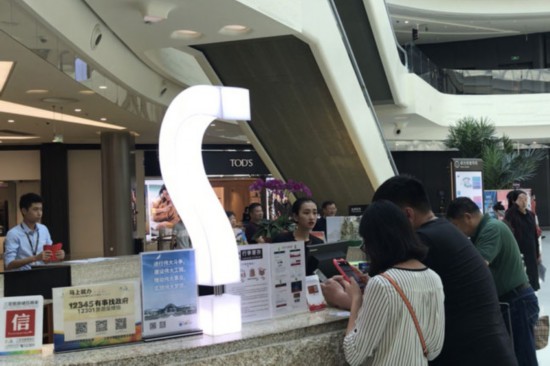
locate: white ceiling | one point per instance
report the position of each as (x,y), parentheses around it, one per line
(153,46)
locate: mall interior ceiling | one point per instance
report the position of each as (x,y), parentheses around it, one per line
(42,98)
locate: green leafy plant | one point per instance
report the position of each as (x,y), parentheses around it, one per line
(502,164)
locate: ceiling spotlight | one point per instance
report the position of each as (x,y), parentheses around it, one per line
(103,119)
(185,34)
(78,110)
(86,92)
(103,87)
(36,91)
(234,29)
(150,19)
(11,121)
(96,36)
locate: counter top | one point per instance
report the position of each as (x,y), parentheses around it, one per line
(295,339)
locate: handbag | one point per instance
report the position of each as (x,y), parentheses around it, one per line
(541,332)
(413,315)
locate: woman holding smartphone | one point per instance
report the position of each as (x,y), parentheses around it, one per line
(381,329)
(304,213)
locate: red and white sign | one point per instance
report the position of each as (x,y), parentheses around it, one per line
(21,324)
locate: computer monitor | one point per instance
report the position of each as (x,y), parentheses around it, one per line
(321,255)
(36,281)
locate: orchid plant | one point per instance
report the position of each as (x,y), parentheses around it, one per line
(279,193)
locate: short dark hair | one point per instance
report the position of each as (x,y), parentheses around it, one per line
(298,204)
(26,200)
(230,213)
(461,206)
(404,190)
(325,204)
(253,205)
(388,237)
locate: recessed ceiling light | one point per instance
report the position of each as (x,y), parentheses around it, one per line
(406,22)
(103,87)
(149,19)
(78,110)
(11,121)
(103,119)
(212,125)
(234,29)
(36,91)
(86,92)
(185,34)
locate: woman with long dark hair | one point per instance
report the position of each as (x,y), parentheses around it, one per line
(304,213)
(381,329)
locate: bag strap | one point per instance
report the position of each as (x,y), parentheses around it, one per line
(411,311)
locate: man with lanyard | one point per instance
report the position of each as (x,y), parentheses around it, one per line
(25,242)
(496,244)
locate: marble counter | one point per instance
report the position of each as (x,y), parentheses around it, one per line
(304,339)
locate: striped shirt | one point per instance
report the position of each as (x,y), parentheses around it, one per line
(385,333)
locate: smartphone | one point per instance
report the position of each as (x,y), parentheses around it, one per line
(347,271)
(321,275)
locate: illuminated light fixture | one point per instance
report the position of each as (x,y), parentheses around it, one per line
(18,137)
(103,87)
(5,71)
(23,110)
(86,92)
(103,119)
(37,91)
(234,29)
(11,121)
(78,110)
(180,145)
(185,34)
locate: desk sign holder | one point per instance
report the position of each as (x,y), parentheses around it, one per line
(169,294)
(98,315)
(21,325)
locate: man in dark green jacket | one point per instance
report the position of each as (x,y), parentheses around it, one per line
(496,244)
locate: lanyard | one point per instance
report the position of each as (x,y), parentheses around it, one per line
(35,248)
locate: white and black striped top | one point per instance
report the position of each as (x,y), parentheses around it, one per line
(385,333)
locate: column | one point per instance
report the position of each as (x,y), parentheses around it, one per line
(118,175)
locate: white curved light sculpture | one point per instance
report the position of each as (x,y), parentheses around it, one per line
(180,155)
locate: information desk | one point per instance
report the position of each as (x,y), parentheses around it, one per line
(309,338)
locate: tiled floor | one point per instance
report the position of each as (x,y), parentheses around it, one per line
(544,296)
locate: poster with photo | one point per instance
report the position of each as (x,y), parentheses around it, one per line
(343,228)
(169,293)
(469,184)
(161,214)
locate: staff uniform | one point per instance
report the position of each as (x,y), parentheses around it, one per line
(22,242)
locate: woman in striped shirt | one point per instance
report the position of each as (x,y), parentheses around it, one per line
(381,330)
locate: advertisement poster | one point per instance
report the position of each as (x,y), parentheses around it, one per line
(21,325)
(255,282)
(314,295)
(96,315)
(467,180)
(272,280)
(170,295)
(343,228)
(161,215)
(491,197)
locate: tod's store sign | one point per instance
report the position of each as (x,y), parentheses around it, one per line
(217,163)
(233,162)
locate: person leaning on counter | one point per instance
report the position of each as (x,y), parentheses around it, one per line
(25,242)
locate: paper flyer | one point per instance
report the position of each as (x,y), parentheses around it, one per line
(314,295)
(96,315)
(21,325)
(255,282)
(272,280)
(170,294)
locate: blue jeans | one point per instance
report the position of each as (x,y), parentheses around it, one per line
(524,312)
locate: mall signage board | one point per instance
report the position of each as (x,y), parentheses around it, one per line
(21,324)
(467,180)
